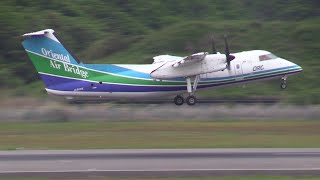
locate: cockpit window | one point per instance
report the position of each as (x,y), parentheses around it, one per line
(267,57)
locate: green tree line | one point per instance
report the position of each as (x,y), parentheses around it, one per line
(123,31)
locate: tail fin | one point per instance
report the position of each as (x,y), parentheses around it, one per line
(50,57)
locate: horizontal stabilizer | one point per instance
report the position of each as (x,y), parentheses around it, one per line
(39,33)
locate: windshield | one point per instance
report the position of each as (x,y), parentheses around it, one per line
(267,57)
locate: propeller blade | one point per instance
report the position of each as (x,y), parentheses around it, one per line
(229,57)
(213,45)
(226,45)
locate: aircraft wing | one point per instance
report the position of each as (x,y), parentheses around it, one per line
(166,58)
(188,60)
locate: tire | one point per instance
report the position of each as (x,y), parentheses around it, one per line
(178,100)
(191,100)
(283,85)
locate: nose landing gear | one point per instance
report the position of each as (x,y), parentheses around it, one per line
(283,84)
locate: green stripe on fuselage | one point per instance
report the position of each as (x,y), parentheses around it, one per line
(58,68)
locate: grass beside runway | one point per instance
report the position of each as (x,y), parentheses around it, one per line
(167,134)
(230,178)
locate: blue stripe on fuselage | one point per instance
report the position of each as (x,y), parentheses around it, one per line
(68,84)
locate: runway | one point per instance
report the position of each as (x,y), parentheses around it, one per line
(158,162)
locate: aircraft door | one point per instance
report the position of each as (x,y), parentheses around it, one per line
(238,71)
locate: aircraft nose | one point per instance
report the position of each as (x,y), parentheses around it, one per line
(296,67)
(299,67)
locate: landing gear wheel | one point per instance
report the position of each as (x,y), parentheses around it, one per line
(283,85)
(191,100)
(178,100)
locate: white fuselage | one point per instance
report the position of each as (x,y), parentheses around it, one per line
(245,68)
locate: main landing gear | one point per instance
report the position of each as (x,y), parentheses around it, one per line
(178,100)
(191,99)
(283,84)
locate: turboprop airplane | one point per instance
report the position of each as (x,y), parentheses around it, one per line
(64,75)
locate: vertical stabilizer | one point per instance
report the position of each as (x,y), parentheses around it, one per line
(51,59)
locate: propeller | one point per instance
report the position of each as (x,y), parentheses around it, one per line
(213,45)
(229,57)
